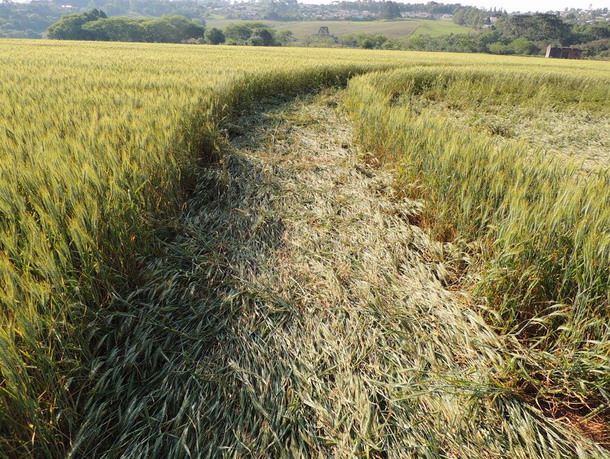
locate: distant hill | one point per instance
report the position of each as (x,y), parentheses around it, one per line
(392,29)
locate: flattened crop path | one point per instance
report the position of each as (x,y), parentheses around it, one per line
(297,312)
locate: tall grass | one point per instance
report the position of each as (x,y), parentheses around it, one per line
(543,230)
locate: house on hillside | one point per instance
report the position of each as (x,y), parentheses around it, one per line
(563,53)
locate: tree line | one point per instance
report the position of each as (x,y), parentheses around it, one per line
(31,20)
(96,25)
(376,6)
(506,34)
(525,34)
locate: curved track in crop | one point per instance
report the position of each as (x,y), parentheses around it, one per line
(298,311)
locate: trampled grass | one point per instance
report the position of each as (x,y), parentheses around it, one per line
(100,145)
(543,230)
(298,313)
(577,135)
(97,145)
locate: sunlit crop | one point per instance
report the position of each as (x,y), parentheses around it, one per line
(100,143)
(540,221)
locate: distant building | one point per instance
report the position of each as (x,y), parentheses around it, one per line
(563,53)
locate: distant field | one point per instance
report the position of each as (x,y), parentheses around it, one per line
(437,28)
(393,29)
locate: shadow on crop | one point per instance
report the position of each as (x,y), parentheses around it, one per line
(164,351)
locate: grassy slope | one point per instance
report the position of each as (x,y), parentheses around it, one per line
(393,29)
(437,28)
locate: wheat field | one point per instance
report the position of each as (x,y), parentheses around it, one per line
(103,145)
(536,222)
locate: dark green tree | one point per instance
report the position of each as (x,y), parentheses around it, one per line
(116,29)
(95,25)
(522,45)
(591,32)
(214,36)
(237,33)
(240,33)
(471,17)
(261,37)
(185,27)
(536,27)
(70,27)
(284,37)
(161,31)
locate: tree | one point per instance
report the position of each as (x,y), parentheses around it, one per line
(523,46)
(115,29)
(282,10)
(238,33)
(261,37)
(499,48)
(250,33)
(491,36)
(94,25)
(417,42)
(160,31)
(70,27)
(369,41)
(284,37)
(591,32)
(536,27)
(471,17)
(214,36)
(185,28)
(389,10)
